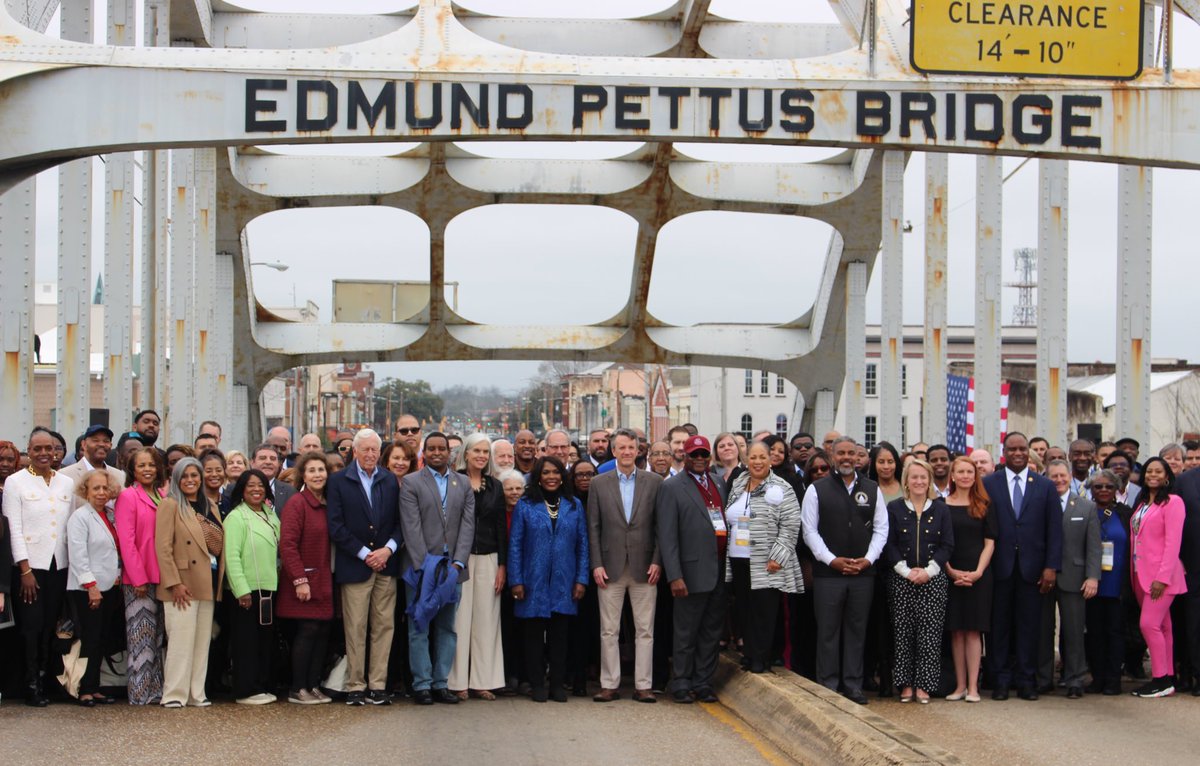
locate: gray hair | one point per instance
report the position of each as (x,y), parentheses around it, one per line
(176,494)
(1058,461)
(628,433)
(1169,448)
(840,440)
(364,435)
(558,431)
(1105,473)
(460,464)
(510,474)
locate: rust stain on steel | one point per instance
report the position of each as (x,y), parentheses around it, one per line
(10,40)
(1135,347)
(892,348)
(203,342)
(988,232)
(937,338)
(12,364)
(1055,385)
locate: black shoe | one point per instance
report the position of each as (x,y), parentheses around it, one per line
(579,690)
(869,685)
(86,702)
(1196,690)
(379,697)
(558,694)
(757,667)
(999,694)
(1046,689)
(1074,692)
(423,697)
(1112,688)
(356,699)
(886,691)
(1028,693)
(34,696)
(857,697)
(445,696)
(1095,687)
(1163,686)
(705,695)
(1136,672)
(538,694)
(682,696)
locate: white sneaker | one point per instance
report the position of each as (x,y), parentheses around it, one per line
(257,699)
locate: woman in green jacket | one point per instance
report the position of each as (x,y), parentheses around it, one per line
(251,550)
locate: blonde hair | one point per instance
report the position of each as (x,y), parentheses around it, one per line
(914,462)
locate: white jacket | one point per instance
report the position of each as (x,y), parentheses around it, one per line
(37,518)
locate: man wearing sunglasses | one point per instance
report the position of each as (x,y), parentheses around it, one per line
(408,431)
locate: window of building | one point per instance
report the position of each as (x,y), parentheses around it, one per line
(779,385)
(870,429)
(764,385)
(870,380)
(903,380)
(904,431)
(781,426)
(749,381)
(747,425)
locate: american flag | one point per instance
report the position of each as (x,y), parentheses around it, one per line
(960,412)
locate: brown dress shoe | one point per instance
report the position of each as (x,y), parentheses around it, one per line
(607,695)
(644,695)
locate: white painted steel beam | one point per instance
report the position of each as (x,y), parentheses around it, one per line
(933,386)
(119,251)
(17,243)
(856,348)
(1052,289)
(989,195)
(891,339)
(156,210)
(221,338)
(1135,192)
(182,370)
(824,413)
(73,381)
(207,388)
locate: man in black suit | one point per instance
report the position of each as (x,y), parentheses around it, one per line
(691,540)
(364,525)
(1025,564)
(1187,486)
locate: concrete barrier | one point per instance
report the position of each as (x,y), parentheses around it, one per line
(813,725)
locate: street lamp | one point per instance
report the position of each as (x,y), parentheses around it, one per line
(277,265)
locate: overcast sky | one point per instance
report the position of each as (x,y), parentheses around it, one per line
(534,264)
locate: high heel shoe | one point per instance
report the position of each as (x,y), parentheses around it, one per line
(956,696)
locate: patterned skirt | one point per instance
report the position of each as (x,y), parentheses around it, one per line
(144,636)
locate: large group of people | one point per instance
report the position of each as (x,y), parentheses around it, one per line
(444,568)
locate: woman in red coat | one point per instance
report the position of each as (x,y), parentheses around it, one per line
(306,587)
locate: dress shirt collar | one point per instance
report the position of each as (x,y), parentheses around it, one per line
(439,476)
(622,476)
(1010,476)
(363,475)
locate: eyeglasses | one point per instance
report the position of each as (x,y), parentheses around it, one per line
(700,453)
(408,431)
(660,453)
(1102,486)
(804,445)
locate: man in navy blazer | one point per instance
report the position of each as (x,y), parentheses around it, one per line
(363,504)
(1025,564)
(1187,486)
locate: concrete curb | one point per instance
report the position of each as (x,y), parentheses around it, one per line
(813,725)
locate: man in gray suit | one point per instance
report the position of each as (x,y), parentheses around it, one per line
(437,515)
(1077,582)
(691,538)
(625,558)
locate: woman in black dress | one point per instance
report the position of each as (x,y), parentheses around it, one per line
(970,606)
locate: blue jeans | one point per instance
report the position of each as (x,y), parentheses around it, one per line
(431,664)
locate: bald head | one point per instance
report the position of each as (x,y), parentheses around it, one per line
(279,438)
(983,462)
(311,443)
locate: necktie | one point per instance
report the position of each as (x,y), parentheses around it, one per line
(704,482)
(1018,496)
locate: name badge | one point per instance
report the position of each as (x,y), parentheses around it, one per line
(1106,555)
(718,521)
(212,561)
(741,532)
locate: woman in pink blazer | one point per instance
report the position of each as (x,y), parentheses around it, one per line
(1156,530)
(136,514)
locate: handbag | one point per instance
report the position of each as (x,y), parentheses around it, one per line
(74,667)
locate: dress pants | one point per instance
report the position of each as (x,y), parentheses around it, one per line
(664,620)
(1016,619)
(252,647)
(1105,638)
(370,604)
(757,609)
(918,614)
(583,651)
(642,598)
(37,621)
(1190,661)
(698,621)
(189,632)
(431,652)
(92,627)
(513,641)
(538,633)
(308,653)
(803,626)
(1155,624)
(479,656)
(1071,621)
(842,604)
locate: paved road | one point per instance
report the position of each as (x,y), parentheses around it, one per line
(1094,730)
(507,731)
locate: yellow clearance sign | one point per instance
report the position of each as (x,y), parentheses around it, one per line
(1028,38)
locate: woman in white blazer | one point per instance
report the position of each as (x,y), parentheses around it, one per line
(37,503)
(93,576)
